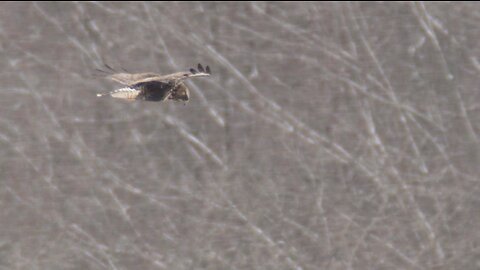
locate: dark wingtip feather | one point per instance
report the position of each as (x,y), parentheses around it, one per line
(200,68)
(208,70)
(108,67)
(102,71)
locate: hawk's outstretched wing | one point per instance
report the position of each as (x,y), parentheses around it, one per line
(130,79)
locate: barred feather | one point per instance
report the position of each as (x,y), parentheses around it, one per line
(125,93)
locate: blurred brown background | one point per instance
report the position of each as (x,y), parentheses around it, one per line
(330,136)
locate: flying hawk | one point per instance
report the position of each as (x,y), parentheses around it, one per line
(155,87)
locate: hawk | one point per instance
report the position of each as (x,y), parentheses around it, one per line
(155,87)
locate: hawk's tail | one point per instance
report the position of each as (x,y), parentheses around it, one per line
(123,93)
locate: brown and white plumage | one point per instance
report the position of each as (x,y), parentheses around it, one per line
(155,87)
